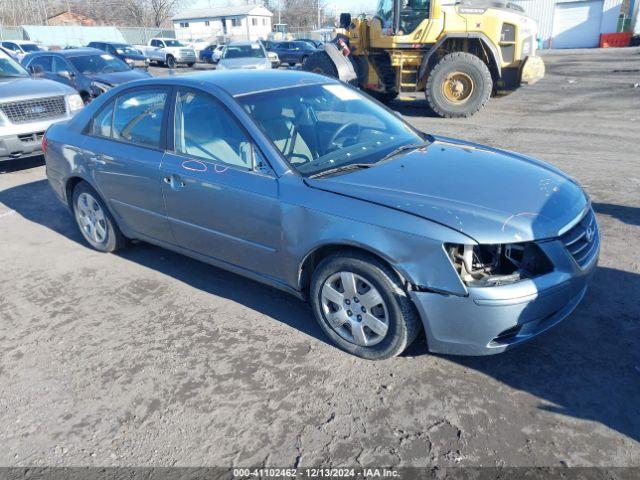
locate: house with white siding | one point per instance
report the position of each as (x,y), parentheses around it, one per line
(244,22)
(572,23)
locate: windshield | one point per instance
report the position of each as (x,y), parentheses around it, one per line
(126,49)
(243,51)
(323,127)
(30,47)
(385,13)
(92,64)
(11,68)
(173,43)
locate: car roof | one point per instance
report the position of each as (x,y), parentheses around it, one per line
(70,52)
(243,42)
(244,82)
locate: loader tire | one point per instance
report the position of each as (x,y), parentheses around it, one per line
(321,63)
(459,85)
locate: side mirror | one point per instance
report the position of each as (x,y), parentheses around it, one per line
(345,20)
(36,70)
(66,74)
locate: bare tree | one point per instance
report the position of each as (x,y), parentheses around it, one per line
(154,13)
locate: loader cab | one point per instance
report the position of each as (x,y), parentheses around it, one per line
(401,17)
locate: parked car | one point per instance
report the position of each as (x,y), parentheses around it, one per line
(244,54)
(217,53)
(9,53)
(313,43)
(88,70)
(125,52)
(20,48)
(304,183)
(274,59)
(169,52)
(28,106)
(199,45)
(206,54)
(272,56)
(293,52)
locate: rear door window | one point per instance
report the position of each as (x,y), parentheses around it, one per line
(45,62)
(138,117)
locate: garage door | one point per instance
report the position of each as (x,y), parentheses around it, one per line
(577,24)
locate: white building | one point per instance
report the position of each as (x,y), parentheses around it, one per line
(572,23)
(245,22)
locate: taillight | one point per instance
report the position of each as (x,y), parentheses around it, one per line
(44,144)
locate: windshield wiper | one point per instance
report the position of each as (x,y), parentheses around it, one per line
(411,146)
(342,168)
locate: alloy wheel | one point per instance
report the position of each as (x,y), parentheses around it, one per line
(91,218)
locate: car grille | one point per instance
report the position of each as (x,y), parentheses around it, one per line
(31,137)
(583,239)
(187,53)
(36,109)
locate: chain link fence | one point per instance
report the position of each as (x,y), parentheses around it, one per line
(133,35)
(11,33)
(142,35)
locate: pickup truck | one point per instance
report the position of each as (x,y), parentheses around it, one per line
(168,51)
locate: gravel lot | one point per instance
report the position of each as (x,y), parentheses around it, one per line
(150,358)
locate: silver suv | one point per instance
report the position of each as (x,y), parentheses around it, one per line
(28,106)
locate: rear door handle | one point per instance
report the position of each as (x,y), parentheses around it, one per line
(174,181)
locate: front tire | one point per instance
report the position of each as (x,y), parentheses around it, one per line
(459,85)
(96,224)
(171,62)
(190,64)
(362,307)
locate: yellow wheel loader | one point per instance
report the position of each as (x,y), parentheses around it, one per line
(456,54)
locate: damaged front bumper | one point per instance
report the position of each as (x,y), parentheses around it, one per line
(491,320)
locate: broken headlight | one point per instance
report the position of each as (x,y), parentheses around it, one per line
(493,265)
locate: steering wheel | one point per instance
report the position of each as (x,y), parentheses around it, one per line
(334,138)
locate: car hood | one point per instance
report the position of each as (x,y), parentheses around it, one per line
(133,56)
(27,87)
(116,78)
(490,195)
(245,62)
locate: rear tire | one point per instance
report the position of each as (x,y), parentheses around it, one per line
(321,63)
(376,298)
(96,224)
(459,85)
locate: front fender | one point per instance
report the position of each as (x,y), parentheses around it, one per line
(411,245)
